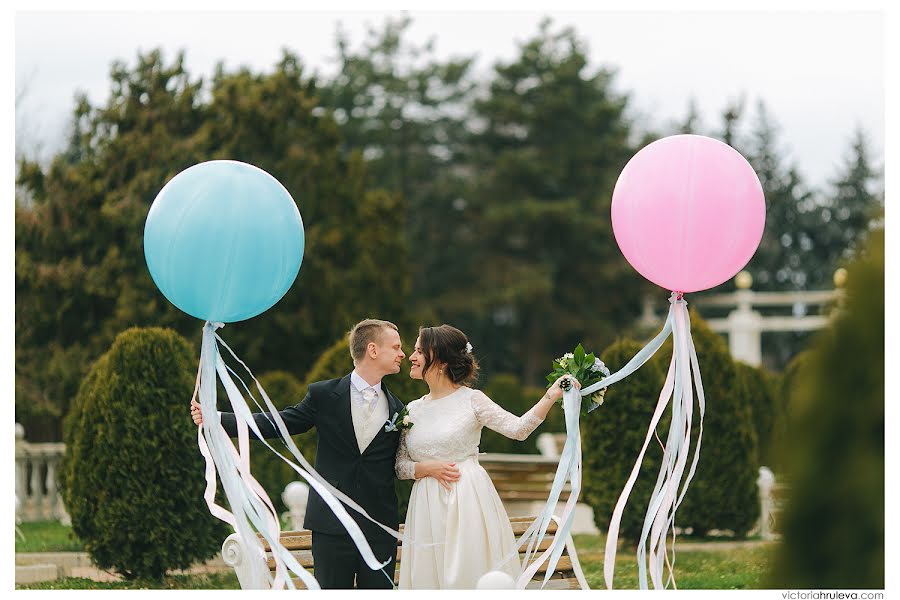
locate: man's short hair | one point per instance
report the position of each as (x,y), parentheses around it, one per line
(367,330)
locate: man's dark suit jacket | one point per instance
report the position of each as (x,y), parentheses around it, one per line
(367,477)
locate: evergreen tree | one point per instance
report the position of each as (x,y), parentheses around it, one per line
(403,109)
(834,524)
(691,122)
(81,277)
(731,117)
(543,268)
(785,255)
(849,210)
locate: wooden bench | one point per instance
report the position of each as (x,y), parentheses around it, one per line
(299,543)
(522,477)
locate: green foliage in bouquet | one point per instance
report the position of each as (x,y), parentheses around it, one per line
(586,368)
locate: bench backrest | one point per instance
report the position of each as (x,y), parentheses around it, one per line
(523,477)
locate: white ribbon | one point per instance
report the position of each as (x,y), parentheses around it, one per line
(663,503)
(249,502)
(251,493)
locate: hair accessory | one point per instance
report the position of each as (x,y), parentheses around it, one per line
(468,348)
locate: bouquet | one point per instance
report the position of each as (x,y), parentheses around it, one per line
(586,368)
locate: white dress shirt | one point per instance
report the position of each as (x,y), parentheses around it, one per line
(368,418)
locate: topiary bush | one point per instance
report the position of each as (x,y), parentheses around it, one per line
(611,438)
(272,473)
(723,493)
(133,478)
(833,524)
(786,390)
(757,388)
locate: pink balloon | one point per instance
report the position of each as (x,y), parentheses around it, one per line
(688,212)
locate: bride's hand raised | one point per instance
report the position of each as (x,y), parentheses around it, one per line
(555,392)
(445,473)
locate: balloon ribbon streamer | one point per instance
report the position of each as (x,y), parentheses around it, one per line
(251,507)
(665,499)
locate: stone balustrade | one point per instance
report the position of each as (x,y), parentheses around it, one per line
(37,493)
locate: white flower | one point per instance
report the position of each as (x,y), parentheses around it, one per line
(599,366)
(564,360)
(468,348)
(406,420)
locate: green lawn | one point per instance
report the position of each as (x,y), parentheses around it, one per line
(215,581)
(729,568)
(733,569)
(47,536)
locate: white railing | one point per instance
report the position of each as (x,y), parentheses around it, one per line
(744,325)
(37,494)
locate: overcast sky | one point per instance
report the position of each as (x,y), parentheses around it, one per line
(820,73)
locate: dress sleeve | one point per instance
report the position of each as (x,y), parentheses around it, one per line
(493,416)
(404,466)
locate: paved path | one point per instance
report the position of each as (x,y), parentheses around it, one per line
(32,567)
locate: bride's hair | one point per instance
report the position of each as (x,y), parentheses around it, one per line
(447,344)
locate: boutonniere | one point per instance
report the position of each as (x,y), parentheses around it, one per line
(400,420)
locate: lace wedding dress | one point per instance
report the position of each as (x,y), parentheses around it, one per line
(454,537)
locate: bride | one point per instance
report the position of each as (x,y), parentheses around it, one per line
(455,518)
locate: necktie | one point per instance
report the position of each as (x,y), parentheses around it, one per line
(370,397)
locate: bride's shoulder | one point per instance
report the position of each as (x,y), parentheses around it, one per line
(476,395)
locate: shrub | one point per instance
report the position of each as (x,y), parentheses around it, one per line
(786,399)
(833,524)
(723,493)
(133,476)
(612,436)
(757,389)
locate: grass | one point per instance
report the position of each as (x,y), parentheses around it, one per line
(212,581)
(47,536)
(733,569)
(729,568)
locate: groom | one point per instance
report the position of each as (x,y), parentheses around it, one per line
(354,453)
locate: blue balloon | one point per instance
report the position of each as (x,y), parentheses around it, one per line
(223,241)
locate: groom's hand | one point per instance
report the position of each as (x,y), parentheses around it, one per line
(445,473)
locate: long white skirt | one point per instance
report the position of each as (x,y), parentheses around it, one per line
(469,527)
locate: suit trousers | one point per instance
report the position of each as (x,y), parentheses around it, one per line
(337,562)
